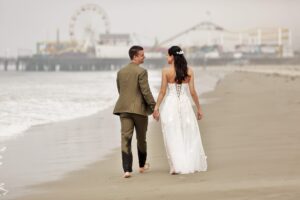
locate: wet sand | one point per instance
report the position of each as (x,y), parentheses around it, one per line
(250,134)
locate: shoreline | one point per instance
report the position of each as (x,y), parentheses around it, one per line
(248,154)
(292,71)
(47,152)
(20,149)
(159,170)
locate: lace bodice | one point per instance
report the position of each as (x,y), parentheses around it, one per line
(177,89)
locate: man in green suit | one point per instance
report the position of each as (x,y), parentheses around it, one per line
(134,104)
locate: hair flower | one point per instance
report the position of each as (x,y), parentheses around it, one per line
(179,52)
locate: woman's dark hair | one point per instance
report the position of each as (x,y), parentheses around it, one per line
(180,64)
(133,51)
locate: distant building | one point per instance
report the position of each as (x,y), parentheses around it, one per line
(115,39)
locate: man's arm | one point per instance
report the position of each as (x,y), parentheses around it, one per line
(145,89)
(118,84)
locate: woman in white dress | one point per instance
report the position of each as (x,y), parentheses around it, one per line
(178,121)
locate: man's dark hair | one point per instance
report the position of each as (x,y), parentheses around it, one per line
(133,51)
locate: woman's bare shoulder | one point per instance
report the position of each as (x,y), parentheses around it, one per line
(190,70)
(167,70)
(164,70)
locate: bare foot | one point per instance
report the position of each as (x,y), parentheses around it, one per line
(173,173)
(127,175)
(145,168)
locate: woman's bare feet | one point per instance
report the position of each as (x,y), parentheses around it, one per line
(145,168)
(172,172)
(127,175)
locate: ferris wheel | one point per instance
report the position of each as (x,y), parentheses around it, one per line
(86,25)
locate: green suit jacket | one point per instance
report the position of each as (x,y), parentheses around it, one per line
(134,91)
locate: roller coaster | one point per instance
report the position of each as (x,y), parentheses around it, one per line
(89,33)
(212,40)
(92,46)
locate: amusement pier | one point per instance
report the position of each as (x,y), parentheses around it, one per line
(93,47)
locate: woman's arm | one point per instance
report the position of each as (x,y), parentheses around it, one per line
(194,94)
(162,93)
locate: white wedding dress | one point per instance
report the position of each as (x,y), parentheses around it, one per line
(181,132)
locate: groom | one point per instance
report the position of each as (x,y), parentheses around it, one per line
(134,104)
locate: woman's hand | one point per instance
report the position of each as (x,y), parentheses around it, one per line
(199,115)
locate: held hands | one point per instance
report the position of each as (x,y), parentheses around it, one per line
(156,114)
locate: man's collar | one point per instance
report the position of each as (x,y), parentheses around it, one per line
(132,63)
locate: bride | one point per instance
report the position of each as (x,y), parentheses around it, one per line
(179,124)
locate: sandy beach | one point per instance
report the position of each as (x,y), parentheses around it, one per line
(250,134)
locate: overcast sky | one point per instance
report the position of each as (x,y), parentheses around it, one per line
(24,22)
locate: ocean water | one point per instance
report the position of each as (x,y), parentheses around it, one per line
(29,99)
(48,152)
(33,98)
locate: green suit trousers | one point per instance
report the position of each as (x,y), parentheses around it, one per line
(129,122)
